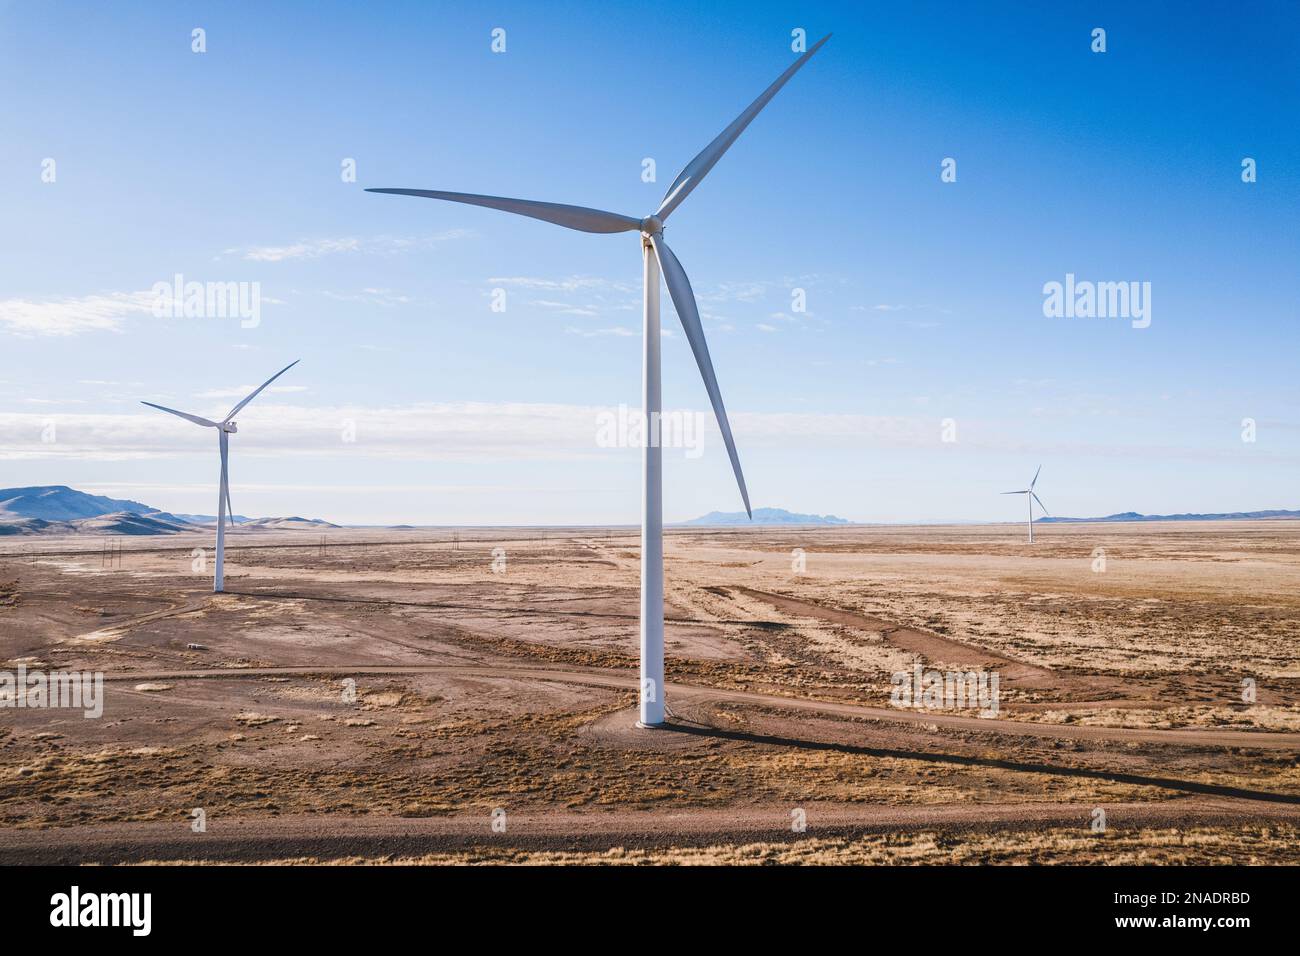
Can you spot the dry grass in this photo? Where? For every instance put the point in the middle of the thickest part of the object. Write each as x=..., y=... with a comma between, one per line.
x=1162, y=639
x=1198, y=846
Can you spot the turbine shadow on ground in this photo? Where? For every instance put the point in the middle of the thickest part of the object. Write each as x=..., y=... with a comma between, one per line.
x=1165, y=783
x=446, y=605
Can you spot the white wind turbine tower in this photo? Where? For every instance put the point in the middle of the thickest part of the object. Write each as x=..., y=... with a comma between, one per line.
x=1030, y=497
x=225, y=428
x=656, y=256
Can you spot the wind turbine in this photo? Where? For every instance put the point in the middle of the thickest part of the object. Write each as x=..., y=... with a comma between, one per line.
x=655, y=257
x=1030, y=497
x=225, y=428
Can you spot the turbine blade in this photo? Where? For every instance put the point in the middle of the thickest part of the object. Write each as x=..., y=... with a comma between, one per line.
x=1036, y=474
x=225, y=479
x=186, y=415
x=679, y=287
x=572, y=217
x=224, y=444
x=1040, y=504
x=699, y=167
x=257, y=391
x=1024, y=492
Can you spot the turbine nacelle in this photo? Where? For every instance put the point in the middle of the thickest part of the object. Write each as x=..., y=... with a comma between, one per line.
x=228, y=427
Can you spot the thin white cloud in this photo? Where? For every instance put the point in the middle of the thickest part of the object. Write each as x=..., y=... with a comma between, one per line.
x=312, y=249
x=386, y=297
x=239, y=391
x=66, y=316
x=316, y=248
x=735, y=292
x=563, y=308
x=480, y=431
x=426, y=431
x=575, y=283
x=114, y=489
x=578, y=295
x=890, y=307
x=617, y=330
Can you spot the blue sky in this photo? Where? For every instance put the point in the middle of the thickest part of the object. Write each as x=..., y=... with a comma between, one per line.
x=924, y=298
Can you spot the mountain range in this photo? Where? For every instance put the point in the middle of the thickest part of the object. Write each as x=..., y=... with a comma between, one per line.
x=58, y=509
x=762, y=516
x=779, y=516
x=1217, y=516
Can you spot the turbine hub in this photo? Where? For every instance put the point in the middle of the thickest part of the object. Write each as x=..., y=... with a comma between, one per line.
x=652, y=225
x=229, y=428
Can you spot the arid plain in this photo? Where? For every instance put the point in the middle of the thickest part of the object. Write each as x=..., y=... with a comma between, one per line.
x=1154, y=683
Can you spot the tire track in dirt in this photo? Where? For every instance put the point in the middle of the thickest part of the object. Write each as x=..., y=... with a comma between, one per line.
x=106, y=635
x=1084, y=690
x=1194, y=737
x=454, y=606
x=926, y=644
x=1070, y=690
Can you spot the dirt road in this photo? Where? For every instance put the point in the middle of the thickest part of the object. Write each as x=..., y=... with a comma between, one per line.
x=333, y=836
x=1257, y=740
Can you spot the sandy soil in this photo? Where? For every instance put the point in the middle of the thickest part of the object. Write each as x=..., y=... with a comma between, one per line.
x=513, y=691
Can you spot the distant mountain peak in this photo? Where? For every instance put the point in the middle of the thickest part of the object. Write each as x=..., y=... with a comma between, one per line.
x=61, y=503
x=763, y=516
x=1190, y=516
x=58, y=509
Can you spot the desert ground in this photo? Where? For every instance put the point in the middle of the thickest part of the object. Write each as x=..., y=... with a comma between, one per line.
x=1155, y=681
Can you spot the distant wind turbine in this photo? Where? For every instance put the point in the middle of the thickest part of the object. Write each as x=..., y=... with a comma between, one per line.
x=225, y=428
x=1031, y=498
x=656, y=256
